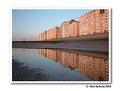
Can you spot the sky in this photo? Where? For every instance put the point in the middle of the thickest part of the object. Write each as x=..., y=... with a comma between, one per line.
x=28, y=23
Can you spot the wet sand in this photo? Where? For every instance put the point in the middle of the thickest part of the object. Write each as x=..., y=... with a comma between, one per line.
x=95, y=42
x=95, y=45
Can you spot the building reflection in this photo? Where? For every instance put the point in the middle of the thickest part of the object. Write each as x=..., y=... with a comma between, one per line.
x=96, y=68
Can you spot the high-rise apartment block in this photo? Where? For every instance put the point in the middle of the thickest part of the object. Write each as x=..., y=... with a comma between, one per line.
x=94, y=22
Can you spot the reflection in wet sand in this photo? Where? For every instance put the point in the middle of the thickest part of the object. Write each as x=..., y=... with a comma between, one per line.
x=95, y=67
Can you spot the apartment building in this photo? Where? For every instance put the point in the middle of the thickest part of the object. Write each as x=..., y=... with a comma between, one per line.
x=59, y=32
x=51, y=33
x=96, y=21
x=54, y=33
x=73, y=28
x=64, y=29
x=43, y=36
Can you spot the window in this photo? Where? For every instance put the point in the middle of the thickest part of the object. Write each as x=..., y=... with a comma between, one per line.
x=102, y=11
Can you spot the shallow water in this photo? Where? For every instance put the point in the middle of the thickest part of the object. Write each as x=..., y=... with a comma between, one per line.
x=58, y=65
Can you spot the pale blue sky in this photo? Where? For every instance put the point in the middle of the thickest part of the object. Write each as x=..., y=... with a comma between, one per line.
x=29, y=23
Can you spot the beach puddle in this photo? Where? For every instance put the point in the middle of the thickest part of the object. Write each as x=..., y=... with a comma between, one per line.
x=58, y=65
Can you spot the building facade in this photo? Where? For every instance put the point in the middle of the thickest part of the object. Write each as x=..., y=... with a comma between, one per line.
x=43, y=36
x=94, y=22
x=54, y=33
x=64, y=29
x=73, y=28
